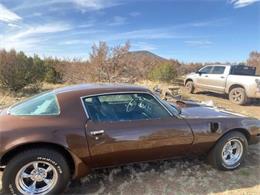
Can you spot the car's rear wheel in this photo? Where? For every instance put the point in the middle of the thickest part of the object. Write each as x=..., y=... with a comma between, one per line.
x=190, y=86
x=238, y=96
x=36, y=171
x=229, y=152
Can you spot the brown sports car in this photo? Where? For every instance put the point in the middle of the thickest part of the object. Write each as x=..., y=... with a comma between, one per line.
x=62, y=134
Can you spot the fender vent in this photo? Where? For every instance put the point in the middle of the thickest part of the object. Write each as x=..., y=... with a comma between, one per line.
x=214, y=126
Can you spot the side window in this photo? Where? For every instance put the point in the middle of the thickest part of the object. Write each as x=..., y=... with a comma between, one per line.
x=218, y=70
x=124, y=107
x=40, y=105
x=206, y=70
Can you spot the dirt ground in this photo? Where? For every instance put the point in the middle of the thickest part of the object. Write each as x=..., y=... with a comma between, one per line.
x=251, y=109
x=181, y=176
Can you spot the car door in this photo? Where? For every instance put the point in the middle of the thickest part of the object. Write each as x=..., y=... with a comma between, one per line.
x=202, y=79
x=133, y=127
x=217, y=79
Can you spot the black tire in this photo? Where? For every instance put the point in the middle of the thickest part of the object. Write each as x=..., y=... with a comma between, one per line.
x=190, y=87
x=52, y=157
x=238, y=96
x=215, y=156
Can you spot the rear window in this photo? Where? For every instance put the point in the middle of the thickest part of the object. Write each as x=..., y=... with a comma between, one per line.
x=243, y=70
x=40, y=105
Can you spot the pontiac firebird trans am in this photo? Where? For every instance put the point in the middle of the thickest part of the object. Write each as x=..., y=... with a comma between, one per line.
x=60, y=135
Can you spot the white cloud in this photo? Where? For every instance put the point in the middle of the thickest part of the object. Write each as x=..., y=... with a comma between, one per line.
x=117, y=20
x=143, y=46
x=27, y=39
x=207, y=23
x=7, y=15
x=43, y=29
x=199, y=43
x=144, y=34
x=76, y=42
x=13, y=25
x=84, y=5
x=242, y=3
x=18, y=44
x=95, y=4
x=134, y=14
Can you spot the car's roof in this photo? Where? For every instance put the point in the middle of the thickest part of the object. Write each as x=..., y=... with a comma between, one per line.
x=226, y=65
x=99, y=88
x=219, y=65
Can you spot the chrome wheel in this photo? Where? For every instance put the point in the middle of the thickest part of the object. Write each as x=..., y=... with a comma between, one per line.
x=232, y=152
x=37, y=177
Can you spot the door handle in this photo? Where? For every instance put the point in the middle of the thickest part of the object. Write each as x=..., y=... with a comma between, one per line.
x=96, y=133
x=222, y=77
x=206, y=76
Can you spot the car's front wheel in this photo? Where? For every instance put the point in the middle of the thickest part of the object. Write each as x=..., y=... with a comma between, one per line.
x=229, y=152
x=36, y=171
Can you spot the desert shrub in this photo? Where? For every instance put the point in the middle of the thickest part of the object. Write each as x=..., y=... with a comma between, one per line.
x=17, y=70
x=108, y=63
x=52, y=75
x=164, y=72
x=254, y=60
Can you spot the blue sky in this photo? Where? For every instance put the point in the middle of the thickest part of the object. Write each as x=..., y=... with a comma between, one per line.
x=187, y=30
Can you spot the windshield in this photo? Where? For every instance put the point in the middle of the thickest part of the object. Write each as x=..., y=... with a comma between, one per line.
x=172, y=108
x=39, y=105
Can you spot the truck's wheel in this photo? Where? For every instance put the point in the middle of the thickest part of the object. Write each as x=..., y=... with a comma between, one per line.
x=190, y=87
x=238, y=96
x=229, y=152
x=36, y=171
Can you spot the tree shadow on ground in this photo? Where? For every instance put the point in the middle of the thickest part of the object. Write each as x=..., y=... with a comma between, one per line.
x=184, y=176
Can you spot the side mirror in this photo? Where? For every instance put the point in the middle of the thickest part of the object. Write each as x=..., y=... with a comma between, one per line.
x=198, y=72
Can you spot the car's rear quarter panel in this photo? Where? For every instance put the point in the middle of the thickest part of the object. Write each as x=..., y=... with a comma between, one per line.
x=205, y=138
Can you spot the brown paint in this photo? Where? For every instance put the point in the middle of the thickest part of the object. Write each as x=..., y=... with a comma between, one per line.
x=122, y=142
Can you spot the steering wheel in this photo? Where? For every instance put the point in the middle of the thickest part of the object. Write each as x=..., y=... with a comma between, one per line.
x=131, y=105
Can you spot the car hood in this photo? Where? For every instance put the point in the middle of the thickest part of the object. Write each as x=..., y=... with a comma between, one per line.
x=207, y=112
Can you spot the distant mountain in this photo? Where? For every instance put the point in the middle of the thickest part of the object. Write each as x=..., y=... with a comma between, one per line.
x=140, y=63
x=143, y=54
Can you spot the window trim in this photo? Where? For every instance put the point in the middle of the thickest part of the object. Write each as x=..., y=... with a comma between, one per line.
x=124, y=92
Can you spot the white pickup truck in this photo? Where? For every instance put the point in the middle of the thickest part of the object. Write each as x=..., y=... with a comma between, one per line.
x=238, y=81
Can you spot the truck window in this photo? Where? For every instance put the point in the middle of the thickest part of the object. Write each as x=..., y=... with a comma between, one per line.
x=218, y=70
x=243, y=70
x=206, y=70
